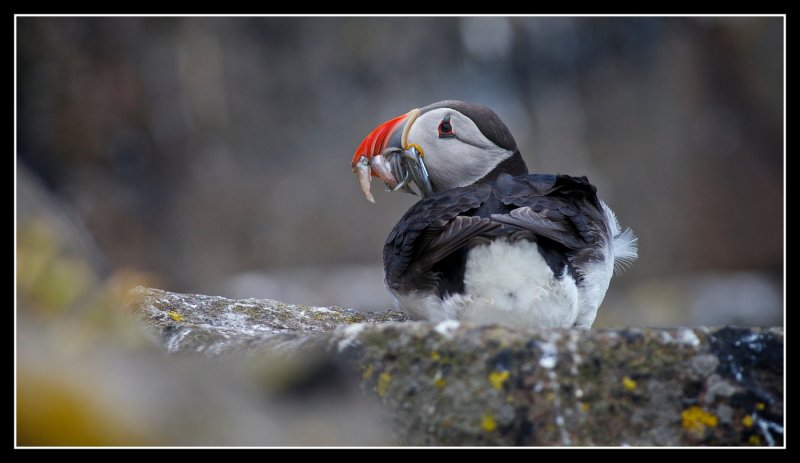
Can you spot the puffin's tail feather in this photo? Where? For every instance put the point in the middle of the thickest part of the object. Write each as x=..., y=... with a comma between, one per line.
x=624, y=244
x=625, y=250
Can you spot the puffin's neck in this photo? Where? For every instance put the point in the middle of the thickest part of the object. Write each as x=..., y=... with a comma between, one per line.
x=514, y=166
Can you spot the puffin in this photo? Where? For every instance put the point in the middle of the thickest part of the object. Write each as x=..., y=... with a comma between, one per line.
x=488, y=242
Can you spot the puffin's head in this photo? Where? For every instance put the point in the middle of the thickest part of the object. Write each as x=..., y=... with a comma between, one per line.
x=441, y=146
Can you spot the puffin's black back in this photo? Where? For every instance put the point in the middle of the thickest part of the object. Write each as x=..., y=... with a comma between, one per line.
x=427, y=248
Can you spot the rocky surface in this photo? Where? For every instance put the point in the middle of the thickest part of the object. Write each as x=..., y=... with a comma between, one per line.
x=457, y=384
x=218, y=326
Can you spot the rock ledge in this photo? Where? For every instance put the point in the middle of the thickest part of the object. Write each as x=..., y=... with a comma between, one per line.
x=457, y=384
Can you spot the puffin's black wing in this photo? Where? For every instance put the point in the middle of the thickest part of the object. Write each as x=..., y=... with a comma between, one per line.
x=425, y=225
x=559, y=208
x=427, y=248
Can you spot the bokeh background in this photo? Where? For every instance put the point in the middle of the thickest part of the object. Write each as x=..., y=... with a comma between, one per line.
x=211, y=155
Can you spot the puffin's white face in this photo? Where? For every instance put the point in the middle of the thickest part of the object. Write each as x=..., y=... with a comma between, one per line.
x=455, y=151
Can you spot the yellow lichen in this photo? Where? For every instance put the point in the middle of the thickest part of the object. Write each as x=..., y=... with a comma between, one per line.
x=696, y=419
x=747, y=421
x=438, y=380
x=497, y=378
x=761, y=405
x=488, y=423
x=629, y=383
x=584, y=407
x=384, y=379
x=435, y=356
x=754, y=440
x=175, y=316
x=367, y=374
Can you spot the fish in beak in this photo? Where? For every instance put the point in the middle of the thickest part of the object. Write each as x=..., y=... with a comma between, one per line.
x=386, y=154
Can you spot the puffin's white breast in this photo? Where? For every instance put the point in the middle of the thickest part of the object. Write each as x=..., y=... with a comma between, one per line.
x=510, y=282
x=504, y=282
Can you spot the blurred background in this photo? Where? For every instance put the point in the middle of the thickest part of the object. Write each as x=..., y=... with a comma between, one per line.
x=211, y=155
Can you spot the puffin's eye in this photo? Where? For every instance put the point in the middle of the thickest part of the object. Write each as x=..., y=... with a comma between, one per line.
x=445, y=129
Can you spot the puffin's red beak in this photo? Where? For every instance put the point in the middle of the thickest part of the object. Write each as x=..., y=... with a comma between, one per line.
x=369, y=160
x=376, y=141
